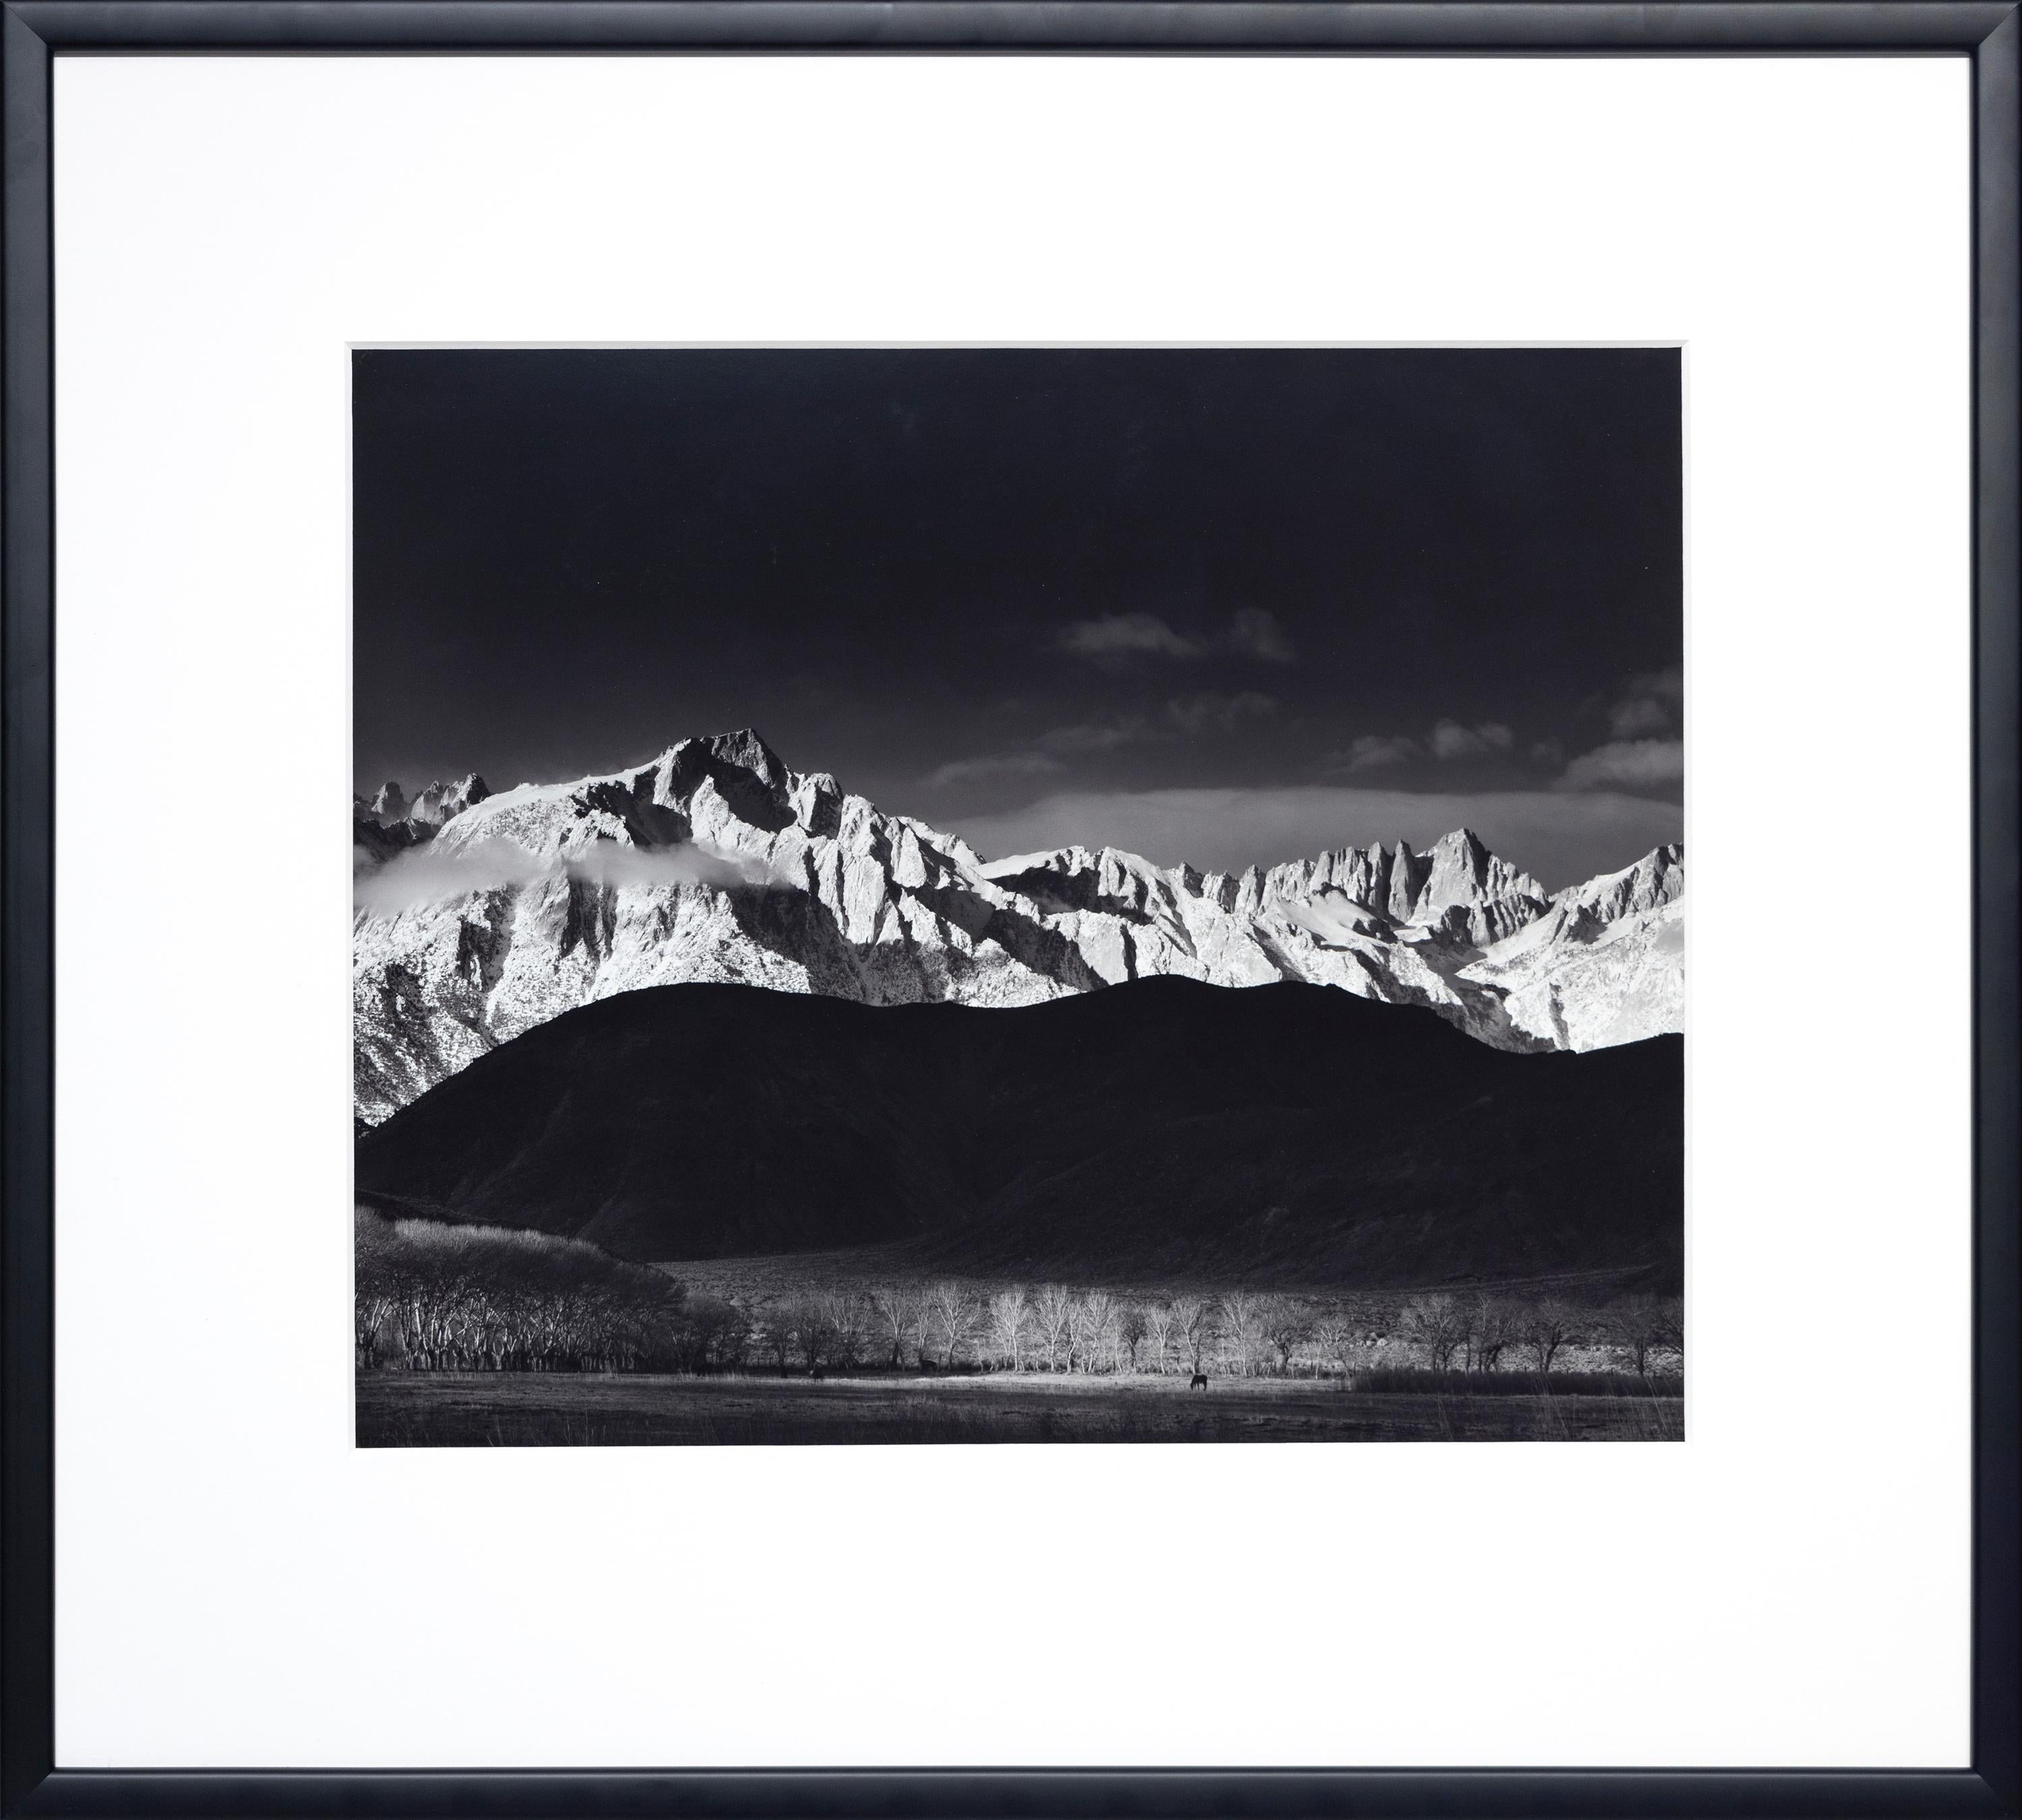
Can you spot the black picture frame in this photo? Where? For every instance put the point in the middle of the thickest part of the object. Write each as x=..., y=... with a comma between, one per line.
x=33, y=32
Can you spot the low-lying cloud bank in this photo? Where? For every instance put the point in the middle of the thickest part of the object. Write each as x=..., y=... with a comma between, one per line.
x=1561, y=837
x=426, y=875
x=1653, y=764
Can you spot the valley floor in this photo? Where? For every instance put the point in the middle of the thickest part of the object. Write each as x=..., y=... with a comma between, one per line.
x=398, y=1409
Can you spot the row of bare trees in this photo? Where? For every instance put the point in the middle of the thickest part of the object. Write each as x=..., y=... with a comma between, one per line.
x=1051, y=1326
x=1483, y=1332
x=437, y=1298
x=431, y=1297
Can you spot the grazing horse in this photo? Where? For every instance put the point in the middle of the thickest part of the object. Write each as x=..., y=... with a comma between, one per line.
x=1199, y=1383
x=927, y=1365
x=815, y=1372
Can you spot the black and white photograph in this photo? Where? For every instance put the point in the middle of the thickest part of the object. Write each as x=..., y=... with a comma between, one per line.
x=1018, y=894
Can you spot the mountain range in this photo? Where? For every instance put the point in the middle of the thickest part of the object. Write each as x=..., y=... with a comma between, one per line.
x=480, y=916
x=1294, y=1134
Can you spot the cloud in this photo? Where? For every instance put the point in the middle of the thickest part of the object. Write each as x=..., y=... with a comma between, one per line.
x=608, y=864
x=1211, y=712
x=1626, y=719
x=1208, y=711
x=1560, y=837
x=995, y=765
x=1447, y=741
x=1645, y=755
x=1373, y=751
x=1668, y=684
x=1097, y=737
x=1256, y=634
x=1636, y=765
x=428, y=874
x=1651, y=703
x=1113, y=635
x=1111, y=638
x=1044, y=757
x=1452, y=740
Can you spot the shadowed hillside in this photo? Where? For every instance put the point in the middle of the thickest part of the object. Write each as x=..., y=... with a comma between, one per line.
x=1285, y=1132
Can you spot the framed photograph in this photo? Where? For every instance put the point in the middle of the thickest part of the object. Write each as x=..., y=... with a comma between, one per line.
x=1010, y=1040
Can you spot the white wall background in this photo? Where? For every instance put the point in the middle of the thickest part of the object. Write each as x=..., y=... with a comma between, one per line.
x=237, y=1585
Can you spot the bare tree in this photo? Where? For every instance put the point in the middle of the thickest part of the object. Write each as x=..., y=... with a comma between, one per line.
x=373, y=1308
x=811, y=1332
x=719, y=1333
x=923, y=1324
x=1287, y=1326
x=954, y=1313
x=1438, y=1324
x=897, y=1305
x=1243, y=1322
x=1339, y=1330
x=1053, y=1309
x=1642, y=1326
x=1010, y=1314
x=1546, y=1326
x=780, y=1333
x=1492, y=1329
x=847, y=1318
x=1134, y=1329
x=1673, y=1338
x=1094, y=1327
x=1198, y=1322
x=1159, y=1324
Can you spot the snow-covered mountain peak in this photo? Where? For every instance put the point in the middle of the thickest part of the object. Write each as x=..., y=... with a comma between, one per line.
x=714, y=861
x=441, y=803
x=1656, y=879
x=743, y=751
x=1473, y=896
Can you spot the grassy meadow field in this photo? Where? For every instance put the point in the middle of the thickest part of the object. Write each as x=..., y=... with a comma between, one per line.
x=480, y=1410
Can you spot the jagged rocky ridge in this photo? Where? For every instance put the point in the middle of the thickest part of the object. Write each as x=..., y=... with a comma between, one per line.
x=479, y=916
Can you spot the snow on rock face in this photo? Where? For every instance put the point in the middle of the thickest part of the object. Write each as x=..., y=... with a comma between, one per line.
x=436, y=805
x=1657, y=879
x=1623, y=982
x=440, y=802
x=480, y=915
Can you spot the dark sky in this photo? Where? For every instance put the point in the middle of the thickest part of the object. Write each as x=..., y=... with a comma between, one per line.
x=1203, y=602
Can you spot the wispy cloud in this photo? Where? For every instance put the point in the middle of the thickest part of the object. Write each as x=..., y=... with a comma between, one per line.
x=1446, y=742
x=1256, y=634
x=1452, y=740
x=1650, y=703
x=1645, y=755
x=995, y=765
x=1095, y=736
x=430, y=875
x=1627, y=719
x=1049, y=755
x=1109, y=636
x=1114, y=638
x=1376, y=752
x=1638, y=765
x=1212, y=712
